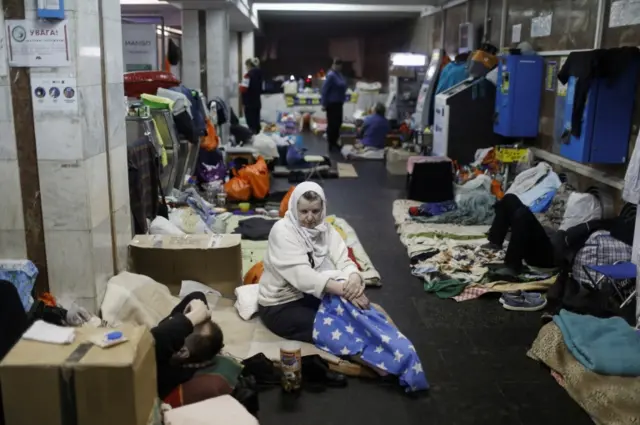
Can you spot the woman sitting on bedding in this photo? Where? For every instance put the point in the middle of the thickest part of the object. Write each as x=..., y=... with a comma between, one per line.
x=301, y=247
x=311, y=291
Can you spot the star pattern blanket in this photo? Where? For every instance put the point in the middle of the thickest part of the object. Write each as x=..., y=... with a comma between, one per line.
x=344, y=330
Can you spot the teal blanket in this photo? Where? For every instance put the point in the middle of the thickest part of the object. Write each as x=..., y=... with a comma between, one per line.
x=605, y=346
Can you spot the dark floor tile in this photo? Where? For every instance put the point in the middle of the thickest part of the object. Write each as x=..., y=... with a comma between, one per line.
x=469, y=404
x=501, y=364
x=544, y=403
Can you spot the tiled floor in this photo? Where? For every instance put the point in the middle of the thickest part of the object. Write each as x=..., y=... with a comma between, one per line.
x=473, y=352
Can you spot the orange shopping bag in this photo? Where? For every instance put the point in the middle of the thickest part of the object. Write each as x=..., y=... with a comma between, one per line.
x=238, y=189
x=284, y=204
x=210, y=141
x=258, y=177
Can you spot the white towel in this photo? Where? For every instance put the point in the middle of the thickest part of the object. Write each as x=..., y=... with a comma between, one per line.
x=51, y=334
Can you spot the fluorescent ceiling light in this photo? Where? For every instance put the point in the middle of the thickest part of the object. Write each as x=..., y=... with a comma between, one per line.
x=168, y=30
x=143, y=2
x=324, y=7
x=408, y=59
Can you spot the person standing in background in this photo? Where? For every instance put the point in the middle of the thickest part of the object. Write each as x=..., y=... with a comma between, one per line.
x=251, y=89
x=334, y=93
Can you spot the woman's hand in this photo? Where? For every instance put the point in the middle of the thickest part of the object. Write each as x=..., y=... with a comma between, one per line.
x=362, y=302
x=334, y=287
x=354, y=287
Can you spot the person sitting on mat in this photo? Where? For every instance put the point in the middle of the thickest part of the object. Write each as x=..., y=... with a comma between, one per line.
x=311, y=291
x=375, y=128
x=186, y=340
x=541, y=247
x=301, y=246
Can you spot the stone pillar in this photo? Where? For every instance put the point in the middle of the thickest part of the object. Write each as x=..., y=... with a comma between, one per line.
x=191, y=49
x=248, y=46
x=217, y=60
x=80, y=158
x=234, y=57
x=218, y=79
x=12, y=229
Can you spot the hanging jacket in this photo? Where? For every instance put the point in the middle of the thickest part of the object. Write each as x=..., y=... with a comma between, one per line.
x=251, y=88
x=222, y=110
x=197, y=111
x=452, y=74
x=589, y=65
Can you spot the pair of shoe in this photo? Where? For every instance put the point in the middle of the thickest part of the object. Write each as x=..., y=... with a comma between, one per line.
x=523, y=301
x=316, y=375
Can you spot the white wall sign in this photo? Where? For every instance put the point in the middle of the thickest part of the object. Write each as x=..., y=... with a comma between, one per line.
x=516, y=33
x=624, y=13
x=36, y=43
x=54, y=94
x=541, y=26
x=140, y=47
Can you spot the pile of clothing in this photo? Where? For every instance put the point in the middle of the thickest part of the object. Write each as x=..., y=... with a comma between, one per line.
x=596, y=361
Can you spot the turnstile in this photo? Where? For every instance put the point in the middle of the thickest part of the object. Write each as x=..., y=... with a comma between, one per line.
x=463, y=120
x=424, y=107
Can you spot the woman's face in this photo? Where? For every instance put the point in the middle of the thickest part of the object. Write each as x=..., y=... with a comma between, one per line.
x=309, y=213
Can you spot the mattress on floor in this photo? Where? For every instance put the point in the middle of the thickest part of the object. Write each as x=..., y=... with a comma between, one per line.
x=369, y=272
x=419, y=238
x=610, y=400
x=400, y=210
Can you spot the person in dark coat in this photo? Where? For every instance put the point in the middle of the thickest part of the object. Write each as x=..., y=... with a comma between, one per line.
x=186, y=341
x=334, y=94
x=251, y=89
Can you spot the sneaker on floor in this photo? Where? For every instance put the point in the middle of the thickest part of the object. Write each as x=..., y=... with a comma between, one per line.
x=525, y=302
x=491, y=246
x=518, y=294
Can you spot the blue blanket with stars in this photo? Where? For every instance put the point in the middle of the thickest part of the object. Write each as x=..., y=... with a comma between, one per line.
x=342, y=329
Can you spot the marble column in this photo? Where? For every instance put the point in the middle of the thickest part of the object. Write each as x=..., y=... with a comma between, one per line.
x=217, y=60
x=82, y=159
x=191, y=49
x=248, y=46
x=12, y=230
x=218, y=78
x=234, y=77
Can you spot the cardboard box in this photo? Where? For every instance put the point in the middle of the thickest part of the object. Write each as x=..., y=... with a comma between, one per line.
x=80, y=383
x=213, y=260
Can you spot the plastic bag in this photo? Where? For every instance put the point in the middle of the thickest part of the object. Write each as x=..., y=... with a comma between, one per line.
x=266, y=146
x=258, y=177
x=162, y=226
x=210, y=141
x=238, y=189
x=254, y=274
x=284, y=205
x=188, y=221
x=581, y=208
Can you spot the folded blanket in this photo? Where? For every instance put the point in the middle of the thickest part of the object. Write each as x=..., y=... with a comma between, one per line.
x=344, y=330
x=611, y=400
x=216, y=380
x=605, y=346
